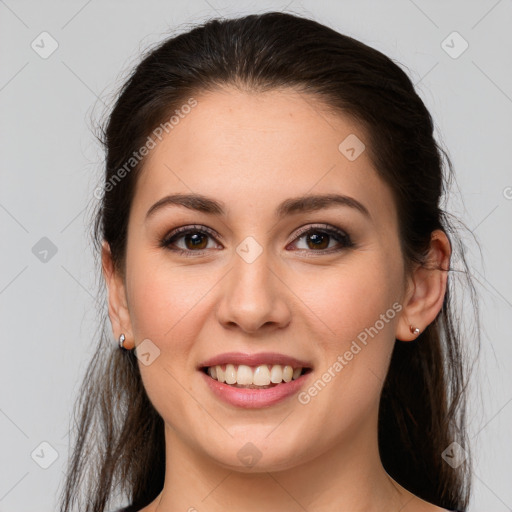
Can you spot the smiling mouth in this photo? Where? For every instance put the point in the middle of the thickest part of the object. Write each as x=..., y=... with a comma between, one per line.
x=254, y=377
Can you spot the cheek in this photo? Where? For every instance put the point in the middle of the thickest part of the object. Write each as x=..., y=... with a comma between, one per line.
x=165, y=305
x=151, y=306
x=352, y=300
x=358, y=316
x=161, y=301
x=358, y=309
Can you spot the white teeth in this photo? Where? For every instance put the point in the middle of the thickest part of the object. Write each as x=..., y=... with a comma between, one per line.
x=287, y=373
x=276, y=374
x=230, y=374
x=262, y=375
x=221, y=374
x=244, y=375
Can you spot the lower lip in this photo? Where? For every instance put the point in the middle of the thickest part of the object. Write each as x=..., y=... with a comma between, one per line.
x=254, y=398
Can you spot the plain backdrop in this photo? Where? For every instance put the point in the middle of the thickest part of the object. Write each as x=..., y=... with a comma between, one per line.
x=51, y=163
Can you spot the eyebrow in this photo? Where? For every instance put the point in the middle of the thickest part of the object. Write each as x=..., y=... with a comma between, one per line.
x=306, y=203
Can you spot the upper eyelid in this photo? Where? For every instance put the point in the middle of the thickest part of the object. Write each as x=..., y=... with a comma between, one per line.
x=300, y=231
x=320, y=227
x=193, y=227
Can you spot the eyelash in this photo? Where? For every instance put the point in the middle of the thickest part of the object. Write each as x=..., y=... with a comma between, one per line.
x=339, y=235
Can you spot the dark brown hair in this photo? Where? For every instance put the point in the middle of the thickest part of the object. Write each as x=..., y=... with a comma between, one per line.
x=119, y=446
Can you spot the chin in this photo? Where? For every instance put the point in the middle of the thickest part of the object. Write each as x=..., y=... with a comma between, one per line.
x=246, y=456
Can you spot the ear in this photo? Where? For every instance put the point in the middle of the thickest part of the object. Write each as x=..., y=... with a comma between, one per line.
x=117, y=303
x=426, y=288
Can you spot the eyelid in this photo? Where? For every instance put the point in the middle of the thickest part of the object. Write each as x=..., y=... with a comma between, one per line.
x=342, y=237
x=319, y=227
x=300, y=231
x=192, y=227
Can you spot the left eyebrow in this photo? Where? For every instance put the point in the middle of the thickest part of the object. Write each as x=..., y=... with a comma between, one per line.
x=294, y=205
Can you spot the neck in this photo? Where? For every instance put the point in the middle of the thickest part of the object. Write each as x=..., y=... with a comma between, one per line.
x=346, y=476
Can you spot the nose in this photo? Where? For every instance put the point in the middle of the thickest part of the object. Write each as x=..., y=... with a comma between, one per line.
x=253, y=297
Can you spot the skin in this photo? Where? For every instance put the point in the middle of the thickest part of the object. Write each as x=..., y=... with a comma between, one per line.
x=251, y=151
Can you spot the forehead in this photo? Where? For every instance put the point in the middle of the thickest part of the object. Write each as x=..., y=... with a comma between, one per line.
x=260, y=148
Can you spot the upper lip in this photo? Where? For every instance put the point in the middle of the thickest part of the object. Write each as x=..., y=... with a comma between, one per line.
x=254, y=359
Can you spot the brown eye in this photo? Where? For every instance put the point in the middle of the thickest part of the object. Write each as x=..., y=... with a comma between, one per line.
x=318, y=239
x=195, y=240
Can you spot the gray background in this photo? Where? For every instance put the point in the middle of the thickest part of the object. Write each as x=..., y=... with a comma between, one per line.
x=51, y=163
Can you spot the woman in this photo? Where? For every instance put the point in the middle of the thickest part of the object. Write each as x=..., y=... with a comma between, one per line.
x=278, y=276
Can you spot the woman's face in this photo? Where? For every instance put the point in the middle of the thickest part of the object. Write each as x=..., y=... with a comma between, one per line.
x=261, y=277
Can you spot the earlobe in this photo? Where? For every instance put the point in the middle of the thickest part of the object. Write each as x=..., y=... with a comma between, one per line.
x=117, y=304
x=426, y=290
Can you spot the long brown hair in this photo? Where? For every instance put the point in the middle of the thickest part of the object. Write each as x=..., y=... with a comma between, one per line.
x=119, y=448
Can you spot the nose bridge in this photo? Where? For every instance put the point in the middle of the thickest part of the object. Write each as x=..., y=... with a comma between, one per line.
x=251, y=295
x=251, y=268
